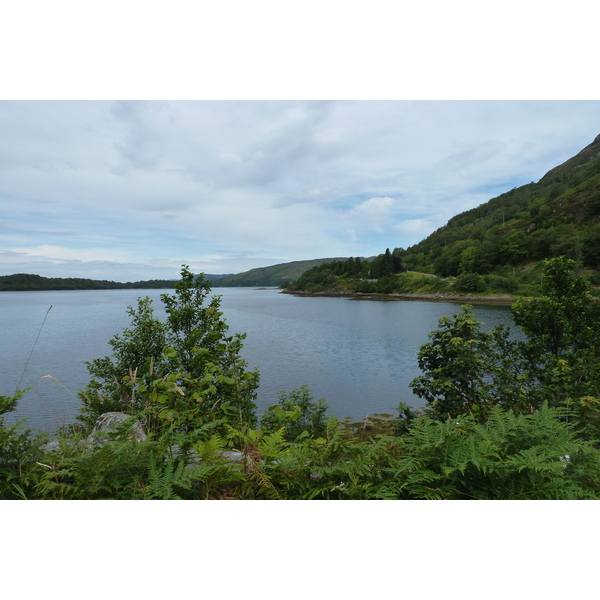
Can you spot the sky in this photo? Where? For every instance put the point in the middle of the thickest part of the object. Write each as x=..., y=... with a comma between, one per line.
x=131, y=190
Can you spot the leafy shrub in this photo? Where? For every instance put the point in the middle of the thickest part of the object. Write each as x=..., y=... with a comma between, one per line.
x=471, y=283
x=502, y=284
x=296, y=413
x=177, y=370
x=19, y=450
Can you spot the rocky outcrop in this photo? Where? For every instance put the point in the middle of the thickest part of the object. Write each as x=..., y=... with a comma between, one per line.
x=108, y=423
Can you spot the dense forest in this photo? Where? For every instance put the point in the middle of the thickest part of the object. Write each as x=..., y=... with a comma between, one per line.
x=503, y=419
x=497, y=247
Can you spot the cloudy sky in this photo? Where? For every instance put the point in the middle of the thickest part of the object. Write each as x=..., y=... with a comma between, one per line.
x=131, y=190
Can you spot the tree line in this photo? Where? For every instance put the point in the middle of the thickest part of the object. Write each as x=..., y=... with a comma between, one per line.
x=345, y=274
x=24, y=282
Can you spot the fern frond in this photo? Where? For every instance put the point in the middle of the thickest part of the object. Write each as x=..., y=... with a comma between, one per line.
x=255, y=471
x=163, y=478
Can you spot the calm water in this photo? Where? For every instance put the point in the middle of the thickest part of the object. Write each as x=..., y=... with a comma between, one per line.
x=358, y=355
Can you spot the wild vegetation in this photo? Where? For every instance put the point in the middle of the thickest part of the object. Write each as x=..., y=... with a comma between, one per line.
x=504, y=419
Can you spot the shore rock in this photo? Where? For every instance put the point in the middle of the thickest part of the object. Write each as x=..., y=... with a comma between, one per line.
x=108, y=423
x=105, y=424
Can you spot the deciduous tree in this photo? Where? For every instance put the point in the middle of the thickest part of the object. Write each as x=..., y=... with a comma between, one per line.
x=179, y=369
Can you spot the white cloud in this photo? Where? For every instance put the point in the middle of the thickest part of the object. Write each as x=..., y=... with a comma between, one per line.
x=62, y=253
x=375, y=213
x=414, y=230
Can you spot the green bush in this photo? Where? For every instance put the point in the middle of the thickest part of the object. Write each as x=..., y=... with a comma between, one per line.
x=19, y=451
x=174, y=371
x=502, y=284
x=470, y=283
x=296, y=413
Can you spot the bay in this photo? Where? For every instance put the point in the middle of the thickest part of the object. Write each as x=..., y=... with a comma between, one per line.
x=360, y=356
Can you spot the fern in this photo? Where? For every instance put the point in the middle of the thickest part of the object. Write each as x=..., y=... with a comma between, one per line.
x=163, y=478
x=255, y=471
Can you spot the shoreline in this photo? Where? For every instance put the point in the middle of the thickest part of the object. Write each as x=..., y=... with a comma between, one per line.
x=500, y=299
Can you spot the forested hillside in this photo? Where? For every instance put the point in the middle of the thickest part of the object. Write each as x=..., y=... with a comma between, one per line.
x=275, y=275
x=496, y=248
x=557, y=216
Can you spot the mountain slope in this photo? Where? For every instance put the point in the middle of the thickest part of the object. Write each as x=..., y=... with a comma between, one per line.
x=274, y=275
x=558, y=215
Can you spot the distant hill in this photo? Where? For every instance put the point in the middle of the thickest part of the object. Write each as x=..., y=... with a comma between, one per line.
x=24, y=282
x=274, y=275
x=265, y=276
x=211, y=278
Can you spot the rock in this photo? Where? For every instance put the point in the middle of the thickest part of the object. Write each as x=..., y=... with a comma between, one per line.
x=51, y=446
x=232, y=456
x=108, y=423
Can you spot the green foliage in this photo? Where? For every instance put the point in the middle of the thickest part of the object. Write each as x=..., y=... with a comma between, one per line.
x=297, y=414
x=113, y=471
x=564, y=316
x=510, y=456
x=173, y=479
x=329, y=275
x=505, y=420
x=19, y=448
x=470, y=283
x=9, y=403
x=465, y=369
x=179, y=372
x=406, y=417
x=348, y=275
x=275, y=275
x=562, y=351
x=507, y=456
x=164, y=478
x=556, y=216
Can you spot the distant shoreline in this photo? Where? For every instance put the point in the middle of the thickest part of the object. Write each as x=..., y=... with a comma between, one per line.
x=499, y=299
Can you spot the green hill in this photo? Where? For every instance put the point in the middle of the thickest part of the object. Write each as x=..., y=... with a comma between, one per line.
x=274, y=275
x=558, y=215
x=495, y=248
